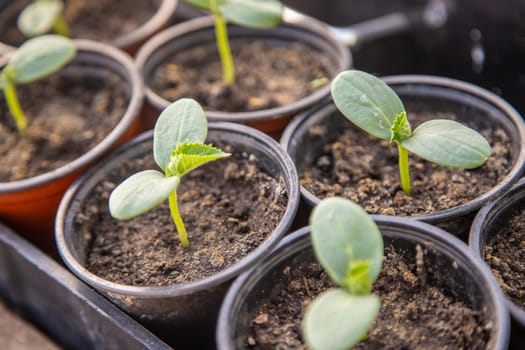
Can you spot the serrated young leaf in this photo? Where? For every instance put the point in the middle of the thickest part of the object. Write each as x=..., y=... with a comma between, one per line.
x=337, y=320
x=400, y=128
x=141, y=192
x=205, y=4
x=39, y=57
x=38, y=17
x=182, y=121
x=344, y=234
x=189, y=156
x=367, y=102
x=252, y=13
x=448, y=143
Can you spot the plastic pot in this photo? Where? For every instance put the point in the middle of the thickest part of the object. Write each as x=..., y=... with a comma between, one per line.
x=200, y=32
x=69, y=312
x=469, y=279
x=466, y=101
x=129, y=42
x=29, y=205
x=486, y=225
x=185, y=313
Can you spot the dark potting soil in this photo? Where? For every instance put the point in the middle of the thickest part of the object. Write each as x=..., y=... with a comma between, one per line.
x=267, y=76
x=364, y=169
x=100, y=20
x=229, y=207
x=417, y=312
x=504, y=253
x=18, y=334
x=68, y=114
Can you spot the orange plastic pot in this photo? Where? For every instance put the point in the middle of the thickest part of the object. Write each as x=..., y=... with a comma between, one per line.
x=129, y=42
x=29, y=205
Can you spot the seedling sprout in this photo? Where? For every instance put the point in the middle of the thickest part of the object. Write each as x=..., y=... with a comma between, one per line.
x=249, y=13
x=349, y=246
x=178, y=148
x=42, y=16
x=374, y=107
x=35, y=59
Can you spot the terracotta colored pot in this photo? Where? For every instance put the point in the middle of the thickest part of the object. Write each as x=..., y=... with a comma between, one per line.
x=29, y=205
x=200, y=31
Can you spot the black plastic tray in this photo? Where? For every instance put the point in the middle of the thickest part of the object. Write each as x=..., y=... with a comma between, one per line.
x=67, y=310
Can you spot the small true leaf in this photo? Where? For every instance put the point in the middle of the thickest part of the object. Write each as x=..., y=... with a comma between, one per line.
x=182, y=121
x=252, y=13
x=400, y=128
x=343, y=234
x=39, y=57
x=205, y=4
x=141, y=192
x=38, y=17
x=448, y=143
x=367, y=101
x=189, y=156
x=337, y=320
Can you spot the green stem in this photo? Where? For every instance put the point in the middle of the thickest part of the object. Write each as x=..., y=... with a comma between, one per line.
x=177, y=219
x=14, y=107
x=403, y=168
x=61, y=27
x=225, y=53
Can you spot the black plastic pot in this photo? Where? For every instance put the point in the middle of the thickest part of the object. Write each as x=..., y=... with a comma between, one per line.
x=486, y=225
x=186, y=313
x=469, y=279
x=129, y=42
x=200, y=32
x=69, y=312
x=29, y=205
x=466, y=101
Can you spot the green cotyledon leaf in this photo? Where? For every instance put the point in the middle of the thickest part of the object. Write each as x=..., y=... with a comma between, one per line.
x=189, y=156
x=252, y=13
x=448, y=143
x=181, y=122
x=141, y=192
x=338, y=320
x=39, y=57
x=343, y=235
x=367, y=101
x=38, y=17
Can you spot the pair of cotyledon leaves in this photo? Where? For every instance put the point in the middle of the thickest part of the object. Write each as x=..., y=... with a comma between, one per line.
x=249, y=13
x=349, y=246
x=178, y=147
x=374, y=107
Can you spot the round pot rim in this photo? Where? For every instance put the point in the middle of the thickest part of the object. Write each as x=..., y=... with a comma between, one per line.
x=132, y=112
x=432, y=234
x=207, y=22
x=216, y=279
x=453, y=84
x=479, y=225
x=141, y=33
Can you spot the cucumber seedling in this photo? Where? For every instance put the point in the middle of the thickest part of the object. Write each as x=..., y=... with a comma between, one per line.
x=43, y=16
x=349, y=246
x=249, y=13
x=35, y=59
x=374, y=107
x=178, y=148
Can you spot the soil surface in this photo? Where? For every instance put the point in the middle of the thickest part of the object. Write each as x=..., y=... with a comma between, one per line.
x=504, y=253
x=267, y=76
x=18, y=334
x=101, y=20
x=229, y=207
x=417, y=312
x=68, y=114
x=364, y=169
